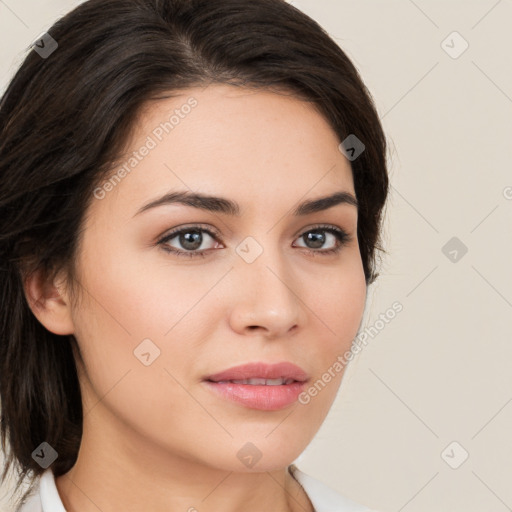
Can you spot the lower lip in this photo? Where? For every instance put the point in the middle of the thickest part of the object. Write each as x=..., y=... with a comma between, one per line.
x=264, y=398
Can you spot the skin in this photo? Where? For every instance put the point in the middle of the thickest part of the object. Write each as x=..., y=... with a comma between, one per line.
x=154, y=437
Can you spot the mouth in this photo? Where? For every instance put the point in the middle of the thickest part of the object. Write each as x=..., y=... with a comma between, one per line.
x=266, y=387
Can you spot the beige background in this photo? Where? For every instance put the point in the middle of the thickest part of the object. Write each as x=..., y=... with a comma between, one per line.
x=440, y=370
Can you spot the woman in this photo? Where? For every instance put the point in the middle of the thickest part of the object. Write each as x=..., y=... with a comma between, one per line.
x=190, y=207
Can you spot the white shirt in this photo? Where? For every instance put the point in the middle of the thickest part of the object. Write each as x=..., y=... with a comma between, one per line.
x=45, y=497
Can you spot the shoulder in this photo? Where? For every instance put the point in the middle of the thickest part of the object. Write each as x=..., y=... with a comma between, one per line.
x=323, y=497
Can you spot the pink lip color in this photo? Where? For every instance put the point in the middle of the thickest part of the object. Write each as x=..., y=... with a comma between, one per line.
x=262, y=397
x=265, y=398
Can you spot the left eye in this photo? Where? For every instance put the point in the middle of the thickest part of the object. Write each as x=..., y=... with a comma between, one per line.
x=191, y=239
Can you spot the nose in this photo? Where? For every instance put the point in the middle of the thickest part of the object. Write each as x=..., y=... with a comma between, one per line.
x=268, y=298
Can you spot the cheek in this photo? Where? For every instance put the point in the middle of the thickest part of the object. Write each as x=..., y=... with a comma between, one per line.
x=130, y=302
x=140, y=297
x=337, y=308
x=126, y=304
x=348, y=302
x=337, y=298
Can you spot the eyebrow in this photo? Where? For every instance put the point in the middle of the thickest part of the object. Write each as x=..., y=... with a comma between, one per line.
x=230, y=207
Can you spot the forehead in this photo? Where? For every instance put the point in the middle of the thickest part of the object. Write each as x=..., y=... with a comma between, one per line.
x=255, y=145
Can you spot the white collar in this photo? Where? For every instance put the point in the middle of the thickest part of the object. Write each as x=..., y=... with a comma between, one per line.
x=50, y=498
x=324, y=498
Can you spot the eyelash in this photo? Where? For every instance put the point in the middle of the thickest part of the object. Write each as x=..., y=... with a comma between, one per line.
x=341, y=235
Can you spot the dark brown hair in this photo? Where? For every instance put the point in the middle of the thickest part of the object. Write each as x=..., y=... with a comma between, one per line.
x=63, y=122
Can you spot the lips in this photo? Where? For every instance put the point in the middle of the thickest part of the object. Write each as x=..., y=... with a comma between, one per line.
x=260, y=373
x=267, y=387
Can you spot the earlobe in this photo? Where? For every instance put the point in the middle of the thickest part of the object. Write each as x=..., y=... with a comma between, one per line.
x=49, y=303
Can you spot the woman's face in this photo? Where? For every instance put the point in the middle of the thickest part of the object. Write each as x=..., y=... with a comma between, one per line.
x=154, y=324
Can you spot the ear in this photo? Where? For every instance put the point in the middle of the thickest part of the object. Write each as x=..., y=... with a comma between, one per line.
x=49, y=302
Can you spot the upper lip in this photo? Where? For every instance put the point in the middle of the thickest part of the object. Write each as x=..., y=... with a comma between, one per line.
x=261, y=370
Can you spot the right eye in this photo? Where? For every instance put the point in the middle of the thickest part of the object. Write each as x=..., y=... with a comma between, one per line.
x=190, y=238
